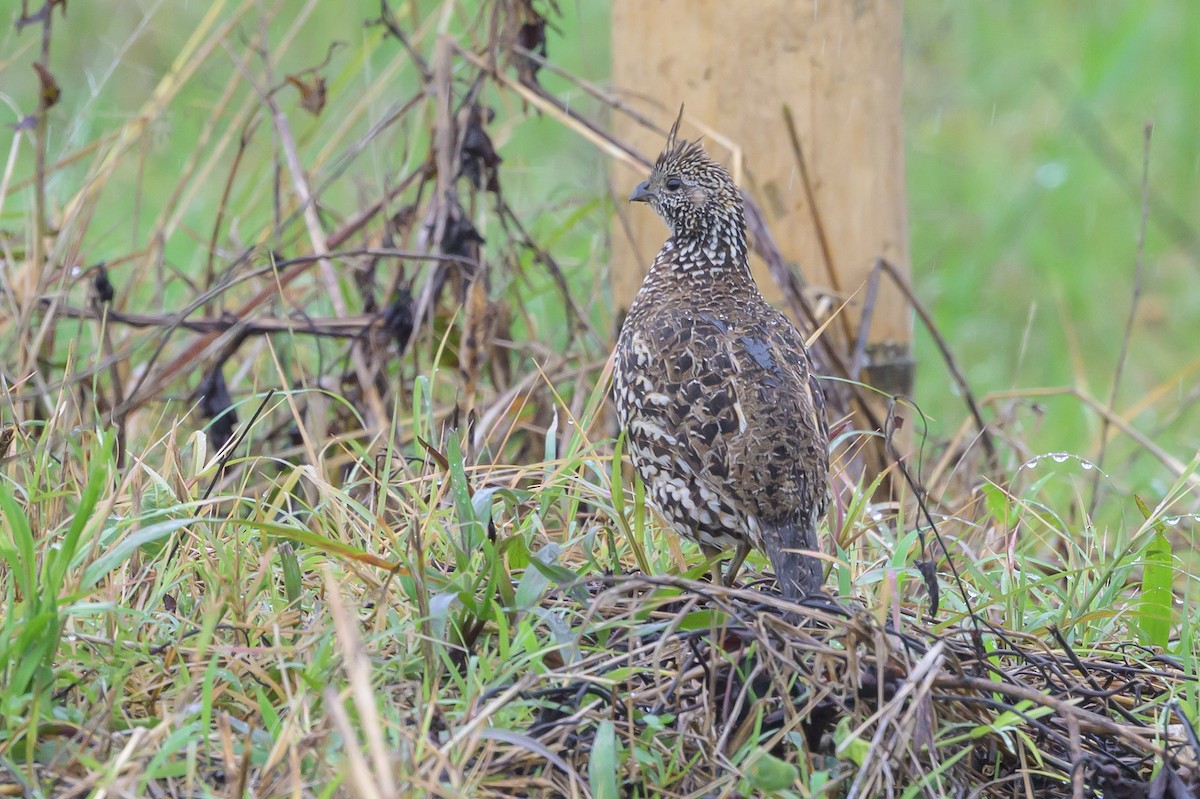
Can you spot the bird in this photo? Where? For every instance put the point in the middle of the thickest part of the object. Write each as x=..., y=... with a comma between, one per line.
x=715, y=390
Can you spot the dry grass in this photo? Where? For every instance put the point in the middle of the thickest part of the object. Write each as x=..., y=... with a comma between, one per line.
x=307, y=490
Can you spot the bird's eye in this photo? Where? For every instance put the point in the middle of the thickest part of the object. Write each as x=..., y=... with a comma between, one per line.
x=674, y=184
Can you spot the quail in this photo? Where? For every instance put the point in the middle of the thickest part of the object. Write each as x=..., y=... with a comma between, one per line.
x=715, y=389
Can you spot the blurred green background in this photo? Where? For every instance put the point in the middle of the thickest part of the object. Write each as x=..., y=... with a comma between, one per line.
x=1024, y=121
x=1025, y=126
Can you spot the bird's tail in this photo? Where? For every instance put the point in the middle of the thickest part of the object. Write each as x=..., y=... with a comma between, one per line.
x=798, y=574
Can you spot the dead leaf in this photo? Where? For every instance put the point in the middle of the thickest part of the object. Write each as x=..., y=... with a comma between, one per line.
x=50, y=93
x=216, y=404
x=478, y=160
x=312, y=94
x=102, y=285
x=398, y=318
x=479, y=323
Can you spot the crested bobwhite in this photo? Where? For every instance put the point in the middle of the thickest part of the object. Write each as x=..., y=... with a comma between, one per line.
x=714, y=388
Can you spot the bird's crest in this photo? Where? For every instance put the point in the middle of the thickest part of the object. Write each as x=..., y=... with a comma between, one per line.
x=676, y=150
x=674, y=132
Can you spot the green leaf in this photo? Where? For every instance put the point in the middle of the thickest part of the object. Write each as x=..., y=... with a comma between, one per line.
x=20, y=555
x=560, y=576
x=460, y=488
x=769, y=774
x=615, y=477
x=703, y=620
x=124, y=549
x=533, y=583
x=639, y=518
x=1155, y=608
x=422, y=407
x=604, y=764
x=998, y=504
x=59, y=558
x=293, y=580
x=270, y=716
x=633, y=535
x=319, y=542
x=904, y=547
x=517, y=551
x=481, y=503
x=32, y=650
x=850, y=746
x=500, y=579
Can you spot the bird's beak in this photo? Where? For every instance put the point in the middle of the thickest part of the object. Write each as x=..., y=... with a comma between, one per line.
x=642, y=194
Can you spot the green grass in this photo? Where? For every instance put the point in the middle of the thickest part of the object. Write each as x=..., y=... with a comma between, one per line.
x=294, y=631
x=445, y=601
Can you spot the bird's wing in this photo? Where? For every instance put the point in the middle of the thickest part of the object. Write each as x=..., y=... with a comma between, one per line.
x=732, y=407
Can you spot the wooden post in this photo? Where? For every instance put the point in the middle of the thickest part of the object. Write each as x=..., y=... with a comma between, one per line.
x=837, y=65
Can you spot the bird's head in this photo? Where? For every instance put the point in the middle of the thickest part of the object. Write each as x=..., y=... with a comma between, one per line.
x=693, y=194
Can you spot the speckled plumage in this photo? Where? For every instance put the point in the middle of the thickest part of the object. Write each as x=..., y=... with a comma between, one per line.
x=724, y=418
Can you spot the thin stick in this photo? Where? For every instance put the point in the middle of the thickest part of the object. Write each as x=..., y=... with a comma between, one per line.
x=815, y=212
x=1139, y=265
x=853, y=367
x=320, y=244
x=951, y=365
x=151, y=384
x=243, y=143
x=858, y=356
x=1177, y=467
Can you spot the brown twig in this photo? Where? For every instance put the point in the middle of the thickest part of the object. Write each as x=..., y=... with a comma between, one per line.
x=1139, y=266
x=243, y=143
x=147, y=389
x=814, y=210
x=320, y=245
x=388, y=20
x=333, y=327
x=1089, y=721
x=1178, y=468
x=947, y=357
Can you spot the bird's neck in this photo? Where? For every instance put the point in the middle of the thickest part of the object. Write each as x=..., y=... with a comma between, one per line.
x=715, y=253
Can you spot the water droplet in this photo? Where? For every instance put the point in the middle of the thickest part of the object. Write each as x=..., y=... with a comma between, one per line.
x=1171, y=521
x=1060, y=457
x=1051, y=175
x=1086, y=465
